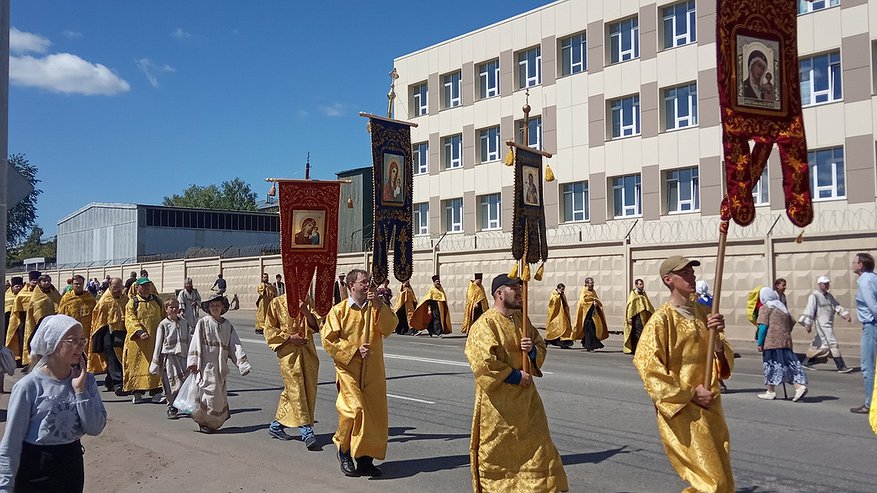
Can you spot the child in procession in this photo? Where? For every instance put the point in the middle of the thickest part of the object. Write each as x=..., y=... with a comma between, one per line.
x=171, y=350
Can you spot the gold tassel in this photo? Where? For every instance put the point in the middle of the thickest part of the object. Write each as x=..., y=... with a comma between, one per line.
x=526, y=275
x=549, y=175
x=539, y=272
x=510, y=157
x=514, y=272
x=800, y=238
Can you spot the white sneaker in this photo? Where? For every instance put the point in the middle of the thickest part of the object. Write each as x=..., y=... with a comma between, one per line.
x=159, y=399
x=768, y=396
x=138, y=398
x=800, y=393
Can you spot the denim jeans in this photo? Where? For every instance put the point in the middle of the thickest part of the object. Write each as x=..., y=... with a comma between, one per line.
x=869, y=355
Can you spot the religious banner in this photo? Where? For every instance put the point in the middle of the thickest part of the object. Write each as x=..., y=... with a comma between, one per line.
x=393, y=183
x=309, y=240
x=529, y=242
x=760, y=98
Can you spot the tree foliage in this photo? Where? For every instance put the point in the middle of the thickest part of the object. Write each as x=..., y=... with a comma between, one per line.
x=33, y=246
x=234, y=195
x=21, y=219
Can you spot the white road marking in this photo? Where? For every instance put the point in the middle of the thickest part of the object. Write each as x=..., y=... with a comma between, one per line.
x=254, y=341
x=409, y=399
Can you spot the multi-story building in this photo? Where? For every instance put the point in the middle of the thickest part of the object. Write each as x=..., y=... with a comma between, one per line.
x=624, y=94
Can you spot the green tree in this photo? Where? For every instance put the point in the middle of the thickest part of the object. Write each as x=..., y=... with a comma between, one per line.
x=33, y=246
x=234, y=195
x=22, y=218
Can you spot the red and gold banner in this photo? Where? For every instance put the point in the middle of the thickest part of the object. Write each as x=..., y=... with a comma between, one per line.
x=309, y=240
x=760, y=98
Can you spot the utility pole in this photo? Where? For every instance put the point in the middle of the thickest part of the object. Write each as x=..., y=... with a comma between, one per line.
x=4, y=128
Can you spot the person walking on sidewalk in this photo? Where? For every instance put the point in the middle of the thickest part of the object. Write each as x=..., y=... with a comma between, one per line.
x=866, y=310
x=775, y=343
x=820, y=311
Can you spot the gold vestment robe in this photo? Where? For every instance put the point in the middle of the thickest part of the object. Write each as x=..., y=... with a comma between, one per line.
x=637, y=304
x=586, y=300
x=109, y=312
x=558, y=324
x=9, y=299
x=299, y=365
x=137, y=354
x=670, y=359
x=81, y=307
x=475, y=296
x=421, y=318
x=19, y=306
x=510, y=448
x=362, y=405
x=267, y=292
x=41, y=305
x=408, y=299
x=872, y=414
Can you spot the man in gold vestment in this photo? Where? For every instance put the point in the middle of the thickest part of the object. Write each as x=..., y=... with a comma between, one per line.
x=639, y=309
x=18, y=315
x=267, y=292
x=292, y=340
x=432, y=314
x=476, y=302
x=132, y=290
x=405, y=304
x=16, y=284
x=143, y=313
x=671, y=359
x=43, y=302
x=79, y=304
x=510, y=448
x=362, y=392
x=558, y=329
x=590, y=320
x=108, y=332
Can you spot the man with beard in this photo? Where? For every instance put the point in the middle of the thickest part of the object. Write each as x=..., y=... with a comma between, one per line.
x=79, y=304
x=558, y=329
x=340, y=289
x=267, y=292
x=18, y=315
x=639, y=309
x=405, y=304
x=143, y=313
x=590, y=321
x=476, y=302
x=190, y=302
x=108, y=329
x=432, y=314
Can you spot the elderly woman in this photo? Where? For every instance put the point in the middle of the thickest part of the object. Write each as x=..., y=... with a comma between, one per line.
x=50, y=409
x=781, y=365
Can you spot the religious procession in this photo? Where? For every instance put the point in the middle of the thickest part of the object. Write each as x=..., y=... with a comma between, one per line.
x=78, y=354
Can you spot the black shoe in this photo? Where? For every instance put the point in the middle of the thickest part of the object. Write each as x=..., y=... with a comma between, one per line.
x=278, y=433
x=172, y=413
x=863, y=409
x=311, y=443
x=566, y=345
x=121, y=392
x=554, y=342
x=365, y=467
x=347, y=466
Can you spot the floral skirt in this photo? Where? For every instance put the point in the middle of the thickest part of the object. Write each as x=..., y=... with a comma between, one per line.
x=782, y=366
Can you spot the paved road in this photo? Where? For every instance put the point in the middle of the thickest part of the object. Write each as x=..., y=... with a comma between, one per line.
x=600, y=418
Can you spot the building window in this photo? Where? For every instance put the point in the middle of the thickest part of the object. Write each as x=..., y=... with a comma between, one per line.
x=421, y=219
x=488, y=79
x=419, y=99
x=491, y=211
x=683, y=190
x=575, y=202
x=806, y=6
x=624, y=116
x=530, y=67
x=680, y=24
x=627, y=195
x=421, y=157
x=820, y=79
x=453, y=151
x=573, y=54
x=760, y=192
x=454, y=215
x=624, y=40
x=451, y=84
x=489, y=138
x=827, y=179
x=680, y=107
x=534, y=132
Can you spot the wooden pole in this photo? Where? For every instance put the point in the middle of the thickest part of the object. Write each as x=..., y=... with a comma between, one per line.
x=368, y=331
x=525, y=364
x=717, y=293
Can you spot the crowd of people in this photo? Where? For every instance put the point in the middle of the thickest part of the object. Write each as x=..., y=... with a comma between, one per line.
x=168, y=351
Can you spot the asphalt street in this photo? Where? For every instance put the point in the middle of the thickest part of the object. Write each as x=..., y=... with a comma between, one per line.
x=600, y=417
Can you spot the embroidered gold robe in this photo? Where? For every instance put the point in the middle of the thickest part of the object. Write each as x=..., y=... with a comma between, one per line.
x=422, y=318
x=475, y=296
x=406, y=299
x=109, y=312
x=137, y=354
x=362, y=405
x=9, y=299
x=670, y=359
x=299, y=365
x=558, y=324
x=267, y=292
x=20, y=303
x=510, y=448
x=587, y=299
x=81, y=307
x=41, y=305
x=637, y=304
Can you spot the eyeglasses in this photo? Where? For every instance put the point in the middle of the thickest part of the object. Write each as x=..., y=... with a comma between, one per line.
x=76, y=341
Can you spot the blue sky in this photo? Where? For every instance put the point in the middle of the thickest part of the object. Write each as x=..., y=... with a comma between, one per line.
x=133, y=101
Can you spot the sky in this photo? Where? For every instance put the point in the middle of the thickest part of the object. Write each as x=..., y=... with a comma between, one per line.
x=134, y=101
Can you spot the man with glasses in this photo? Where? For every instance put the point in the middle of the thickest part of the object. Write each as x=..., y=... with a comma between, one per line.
x=79, y=304
x=143, y=313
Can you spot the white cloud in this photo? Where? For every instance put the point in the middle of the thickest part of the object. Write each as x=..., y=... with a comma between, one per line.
x=179, y=33
x=71, y=34
x=24, y=42
x=65, y=73
x=151, y=70
x=334, y=109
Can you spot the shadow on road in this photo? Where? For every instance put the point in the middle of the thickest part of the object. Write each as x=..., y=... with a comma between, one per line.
x=244, y=410
x=266, y=389
x=413, y=375
x=595, y=457
x=234, y=430
x=401, y=434
x=407, y=468
x=756, y=390
x=2, y=415
x=819, y=398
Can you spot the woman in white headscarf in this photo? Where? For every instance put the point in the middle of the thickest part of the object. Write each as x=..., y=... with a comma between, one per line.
x=781, y=365
x=50, y=409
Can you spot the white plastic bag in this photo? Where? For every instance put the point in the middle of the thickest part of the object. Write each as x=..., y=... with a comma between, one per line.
x=189, y=395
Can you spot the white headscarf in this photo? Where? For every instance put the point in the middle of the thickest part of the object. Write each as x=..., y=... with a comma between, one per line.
x=49, y=334
x=771, y=299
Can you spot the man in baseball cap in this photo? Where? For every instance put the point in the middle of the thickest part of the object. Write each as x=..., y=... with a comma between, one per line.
x=819, y=314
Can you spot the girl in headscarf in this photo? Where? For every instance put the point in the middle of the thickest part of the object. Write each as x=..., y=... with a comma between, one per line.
x=775, y=343
x=50, y=409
